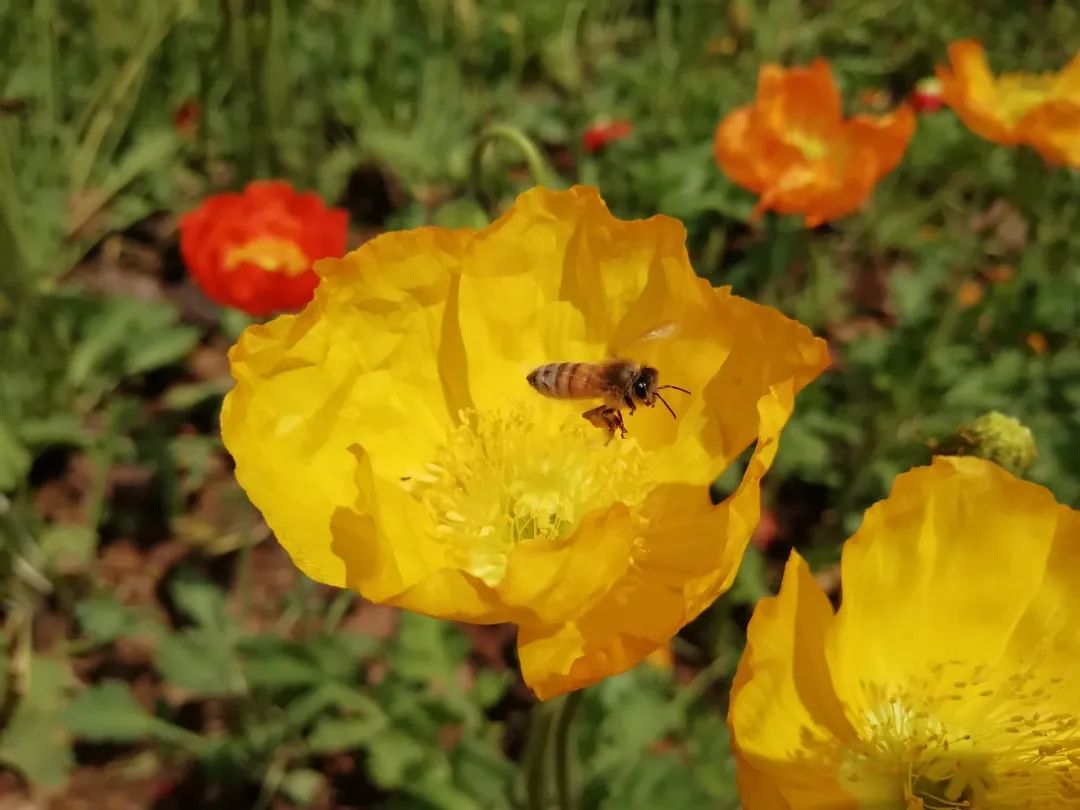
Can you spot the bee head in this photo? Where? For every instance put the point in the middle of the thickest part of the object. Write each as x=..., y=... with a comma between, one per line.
x=643, y=389
x=646, y=388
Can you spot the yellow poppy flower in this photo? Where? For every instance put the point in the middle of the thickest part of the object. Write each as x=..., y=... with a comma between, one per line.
x=947, y=677
x=389, y=437
x=1038, y=109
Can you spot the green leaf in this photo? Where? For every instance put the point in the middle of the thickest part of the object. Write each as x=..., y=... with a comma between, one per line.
x=161, y=349
x=272, y=662
x=105, y=336
x=463, y=213
x=395, y=755
x=429, y=650
x=346, y=733
x=15, y=458
x=35, y=742
x=489, y=686
x=201, y=601
x=103, y=619
x=186, y=396
x=302, y=786
x=56, y=428
x=200, y=660
x=68, y=547
x=107, y=712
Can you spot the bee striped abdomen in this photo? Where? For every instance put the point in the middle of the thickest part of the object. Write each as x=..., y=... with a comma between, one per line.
x=559, y=380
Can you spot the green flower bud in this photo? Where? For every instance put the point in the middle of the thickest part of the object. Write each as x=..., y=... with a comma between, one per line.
x=995, y=437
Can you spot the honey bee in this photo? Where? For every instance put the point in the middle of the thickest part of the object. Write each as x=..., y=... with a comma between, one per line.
x=620, y=383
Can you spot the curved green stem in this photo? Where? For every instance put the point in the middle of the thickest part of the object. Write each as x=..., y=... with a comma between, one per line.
x=542, y=174
x=565, y=757
x=535, y=765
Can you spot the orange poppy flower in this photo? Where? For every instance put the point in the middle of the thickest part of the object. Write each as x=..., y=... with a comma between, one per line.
x=1041, y=110
x=254, y=250
x=795, y=149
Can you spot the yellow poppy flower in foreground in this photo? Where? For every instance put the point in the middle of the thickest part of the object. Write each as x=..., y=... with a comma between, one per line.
x=389, y=437
x=1038, y=109
x=947, y=679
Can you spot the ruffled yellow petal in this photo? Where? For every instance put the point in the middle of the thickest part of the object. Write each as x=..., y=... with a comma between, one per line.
x=897, y=569
x=353, y=368
x=685, y=554
x=784, y=714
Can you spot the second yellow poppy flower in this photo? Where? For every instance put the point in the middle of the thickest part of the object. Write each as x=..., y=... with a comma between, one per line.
x=946, y=680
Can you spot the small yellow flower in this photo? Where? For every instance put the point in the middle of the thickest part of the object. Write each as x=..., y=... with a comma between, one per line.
x=946, y=680
x=389, y=437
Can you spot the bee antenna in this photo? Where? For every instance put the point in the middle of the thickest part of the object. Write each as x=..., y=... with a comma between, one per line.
x=666, y=405
x=675, y=387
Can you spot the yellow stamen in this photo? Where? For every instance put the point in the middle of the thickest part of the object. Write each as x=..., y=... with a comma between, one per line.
x=965, y=738
x=271, y=254
x=812, y=147
x=513, y=476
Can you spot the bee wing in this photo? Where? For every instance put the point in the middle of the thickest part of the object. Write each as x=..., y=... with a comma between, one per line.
x=660, y=331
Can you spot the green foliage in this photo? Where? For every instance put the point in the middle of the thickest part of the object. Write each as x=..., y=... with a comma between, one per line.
x=34, y=741
x=120, y=523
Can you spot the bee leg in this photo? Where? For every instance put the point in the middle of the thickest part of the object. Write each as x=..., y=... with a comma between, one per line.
x=617, y=419
x=606, y=418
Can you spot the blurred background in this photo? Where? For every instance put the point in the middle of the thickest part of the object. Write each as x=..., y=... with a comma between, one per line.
x=160, y=649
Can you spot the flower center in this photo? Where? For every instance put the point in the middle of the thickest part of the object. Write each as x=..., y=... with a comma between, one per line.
x=1019, y=93
x=271, y=254
x=965, y=737
x=507, y=477
x=812, y=146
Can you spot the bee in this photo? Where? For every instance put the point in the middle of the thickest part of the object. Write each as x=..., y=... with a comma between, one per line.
x=618, y=382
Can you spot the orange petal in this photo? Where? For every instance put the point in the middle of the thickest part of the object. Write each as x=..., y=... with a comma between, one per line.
x=801, y=98
x=970, y=89
x=732, y=148
x=886, y=137
x=1053, y=129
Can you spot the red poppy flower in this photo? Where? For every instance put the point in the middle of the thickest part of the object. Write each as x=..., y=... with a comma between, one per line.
x=254, y=250
x=601, y=133
x=186, y=118
x=927, y=95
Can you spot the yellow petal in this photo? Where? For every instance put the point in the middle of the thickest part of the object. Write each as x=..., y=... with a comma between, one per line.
x=686, y=553
x=360, y=365
x=787, y=724
x=923, y=576
x=945, y=677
